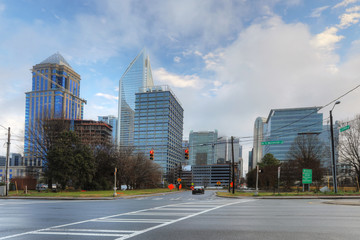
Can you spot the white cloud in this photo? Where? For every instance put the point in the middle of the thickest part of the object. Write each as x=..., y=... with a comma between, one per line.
x=348, y=19
x=192, y=81
x=107, y=96
x=327, y=39
x=353, y=9
x=177, y=59
x=345, y=3
x=318, y=11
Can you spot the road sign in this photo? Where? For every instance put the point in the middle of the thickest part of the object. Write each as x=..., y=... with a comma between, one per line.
x=272, y=142
x=171, y=186
x=179, y=179
x=218, y=183
x=345, y=128
x=307, y=176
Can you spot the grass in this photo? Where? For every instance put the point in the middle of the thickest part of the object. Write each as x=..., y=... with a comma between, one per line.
x=263, y=194
x=85, y=194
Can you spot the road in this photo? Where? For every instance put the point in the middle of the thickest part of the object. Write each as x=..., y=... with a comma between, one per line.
x=178, y=216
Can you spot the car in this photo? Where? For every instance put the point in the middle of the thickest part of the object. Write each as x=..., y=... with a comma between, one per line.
x=41, y=187
x=198, y=189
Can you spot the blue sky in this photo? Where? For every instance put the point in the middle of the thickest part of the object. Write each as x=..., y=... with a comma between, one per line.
x=228, y=62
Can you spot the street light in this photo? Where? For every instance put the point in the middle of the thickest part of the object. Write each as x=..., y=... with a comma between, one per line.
x=332, y=149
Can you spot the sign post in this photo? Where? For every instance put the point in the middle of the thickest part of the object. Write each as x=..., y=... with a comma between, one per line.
x=306, y=177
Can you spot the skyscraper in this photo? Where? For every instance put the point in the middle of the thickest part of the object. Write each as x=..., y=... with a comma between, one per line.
x=159, y=125
x=202, y=147
x=55, y=94
x=112, y=121
x=258, y=138
x=137, y=75
x=284, y=125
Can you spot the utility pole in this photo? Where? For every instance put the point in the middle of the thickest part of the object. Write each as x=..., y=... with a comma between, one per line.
x=233, y=164
x=257, y=180
x=333, y=149
x=115, y=182
x=7, y=164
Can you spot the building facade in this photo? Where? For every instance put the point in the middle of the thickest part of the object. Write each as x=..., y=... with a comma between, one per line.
x=159, y=125
x=137, y=75
x=55, y=94
x=284, y=125
x=113, y=122
x=202, y=147
x=93, y=133
x=259, y=128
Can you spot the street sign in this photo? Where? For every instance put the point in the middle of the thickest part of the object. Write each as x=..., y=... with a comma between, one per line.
x=272, y=142
x=218, y=183
x=306, y=176
x=171, y=186
x=345, y=128
x=179, y=179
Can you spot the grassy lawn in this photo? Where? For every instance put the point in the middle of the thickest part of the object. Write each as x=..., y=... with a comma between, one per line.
x=262, y=194
x=85, y=194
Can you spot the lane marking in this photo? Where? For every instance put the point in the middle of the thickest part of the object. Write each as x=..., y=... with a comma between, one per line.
x=55, y=229
x=180, y=219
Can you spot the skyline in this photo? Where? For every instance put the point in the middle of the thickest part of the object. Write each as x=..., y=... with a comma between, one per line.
x=228, y=62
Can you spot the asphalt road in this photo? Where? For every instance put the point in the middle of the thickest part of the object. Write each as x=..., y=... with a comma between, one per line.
x=178, y=216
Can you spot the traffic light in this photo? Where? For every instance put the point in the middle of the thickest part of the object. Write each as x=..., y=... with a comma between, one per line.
x=151, y=154
x=187, y=153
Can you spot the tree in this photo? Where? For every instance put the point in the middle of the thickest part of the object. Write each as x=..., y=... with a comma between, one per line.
x=69, y=162
x=268, y=173
x=349, y=147
x=306, y=151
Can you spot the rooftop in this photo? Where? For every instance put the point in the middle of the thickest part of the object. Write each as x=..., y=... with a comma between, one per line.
x=56, y=58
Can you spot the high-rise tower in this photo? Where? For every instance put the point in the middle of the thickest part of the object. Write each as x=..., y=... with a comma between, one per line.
x=55, y=94
x=159, y=126
x=137, y=75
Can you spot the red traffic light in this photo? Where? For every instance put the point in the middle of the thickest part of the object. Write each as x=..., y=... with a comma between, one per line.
x=151, y=151
x=187, y=150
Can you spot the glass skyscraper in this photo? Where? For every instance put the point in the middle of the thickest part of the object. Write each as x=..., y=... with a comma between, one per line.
x=202, y=147
x=159, y=125
x=259, y=128
x=137, y=75
x=55, y=94
x=284, y=125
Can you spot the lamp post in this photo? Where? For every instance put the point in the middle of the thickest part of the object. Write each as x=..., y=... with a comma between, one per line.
x=332, y=149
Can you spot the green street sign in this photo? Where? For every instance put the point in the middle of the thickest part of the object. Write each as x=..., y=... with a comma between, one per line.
x=306, y=176
x=272, y=142
x=345, y=128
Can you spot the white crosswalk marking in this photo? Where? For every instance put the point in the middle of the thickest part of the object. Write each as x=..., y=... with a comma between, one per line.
x=170, y=214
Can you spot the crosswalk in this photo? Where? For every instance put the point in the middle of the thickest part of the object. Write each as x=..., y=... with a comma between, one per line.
x=126, y=225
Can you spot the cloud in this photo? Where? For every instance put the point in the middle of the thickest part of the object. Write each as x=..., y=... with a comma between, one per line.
x=2, y=7
x=327, y=39
x=318, y=11
x=345, y=3
x=107, y=96
x=353, y=9
x=348, y=19
x=177, y=59
x=164, y=77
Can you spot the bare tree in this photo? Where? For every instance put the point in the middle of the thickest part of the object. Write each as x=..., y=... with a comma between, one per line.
x=349, y=146
x=307, y=151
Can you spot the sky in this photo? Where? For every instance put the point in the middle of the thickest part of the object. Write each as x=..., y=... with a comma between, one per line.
x=228, y=62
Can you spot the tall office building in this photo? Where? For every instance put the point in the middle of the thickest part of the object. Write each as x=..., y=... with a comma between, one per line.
x=112, y=121
x=137, y=75
x=159, y=125
x=259, y=128
x=223, y=150
x=284, y=125
x=202, y=147
x=55, y=94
